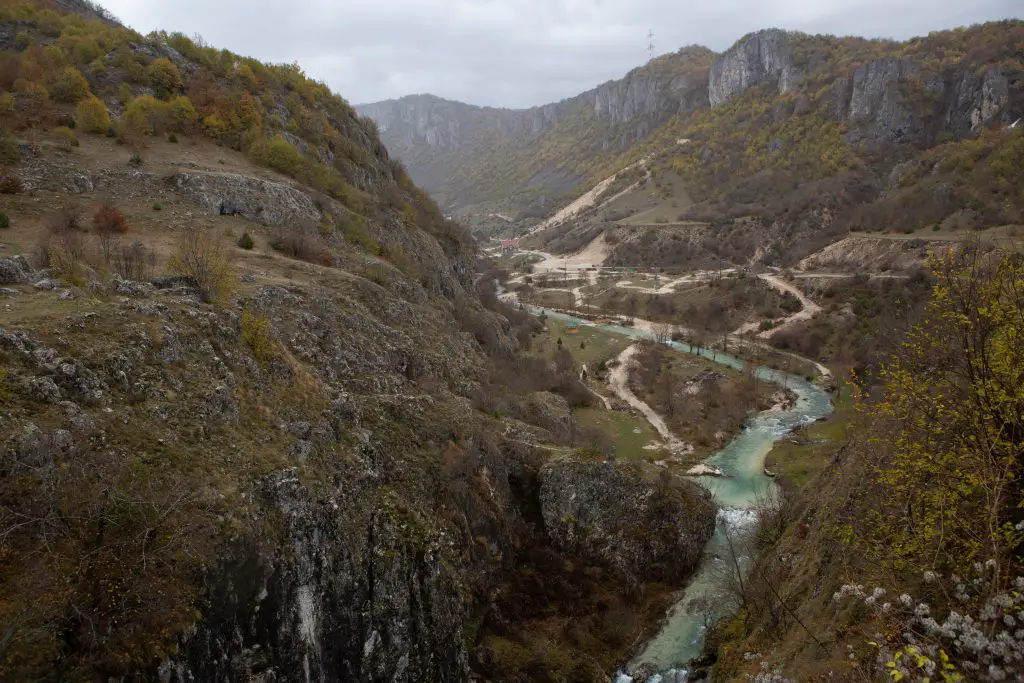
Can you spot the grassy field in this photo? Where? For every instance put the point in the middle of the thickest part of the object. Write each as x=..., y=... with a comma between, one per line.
x=799, y=457
x=548, y=298
x=629, y=432
x=597, y=343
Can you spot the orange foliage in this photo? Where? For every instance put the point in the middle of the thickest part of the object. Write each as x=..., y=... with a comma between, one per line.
x=108, y=220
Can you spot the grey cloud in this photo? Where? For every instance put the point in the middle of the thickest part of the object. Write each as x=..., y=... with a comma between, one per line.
x=515, y=52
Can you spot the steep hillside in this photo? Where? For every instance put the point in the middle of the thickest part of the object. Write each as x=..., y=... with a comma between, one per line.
x=255, y=422
x=901, y=559
x=519, y=159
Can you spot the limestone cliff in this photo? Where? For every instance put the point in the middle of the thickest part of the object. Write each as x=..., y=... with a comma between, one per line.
x=762, y=57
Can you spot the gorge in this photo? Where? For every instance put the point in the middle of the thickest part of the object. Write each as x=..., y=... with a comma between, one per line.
x=295, y=390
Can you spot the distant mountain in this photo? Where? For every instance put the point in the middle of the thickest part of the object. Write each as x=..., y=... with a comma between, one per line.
x=776, y=110
x=468, y=155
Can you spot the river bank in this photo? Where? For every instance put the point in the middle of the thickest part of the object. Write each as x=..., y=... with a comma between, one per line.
x=742, y=462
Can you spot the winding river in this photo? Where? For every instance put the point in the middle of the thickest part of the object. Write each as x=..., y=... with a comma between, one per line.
x=742, y=460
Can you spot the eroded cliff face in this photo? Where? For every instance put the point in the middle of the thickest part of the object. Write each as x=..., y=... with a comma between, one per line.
x=765, y=56
x=889, y=99
x=607, y=512
x=350, y=595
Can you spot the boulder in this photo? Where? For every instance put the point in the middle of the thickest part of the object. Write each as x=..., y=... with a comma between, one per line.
x=13, y=271
x=551, y=412
x=608, y=513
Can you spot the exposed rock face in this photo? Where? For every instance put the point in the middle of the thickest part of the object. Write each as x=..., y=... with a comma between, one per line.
x=350, y=597
x=640, y=94
x=260, y=200
x=551, y=412
x=606, y=512
x=12, y=272
x=874, y=98
x=979, y=100
x=762, y=57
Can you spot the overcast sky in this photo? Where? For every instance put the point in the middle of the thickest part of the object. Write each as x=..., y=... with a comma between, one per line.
x=515, y=53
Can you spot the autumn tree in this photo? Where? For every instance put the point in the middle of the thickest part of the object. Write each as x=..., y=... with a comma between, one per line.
x=949, y=433
x=146, y=115
x=181, y=114
x=109, y=224
x=70, y=86
x=92, y=115
x=164, y=77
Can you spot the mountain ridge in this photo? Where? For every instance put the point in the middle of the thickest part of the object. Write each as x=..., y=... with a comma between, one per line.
x=529, y=160
x=616, y=108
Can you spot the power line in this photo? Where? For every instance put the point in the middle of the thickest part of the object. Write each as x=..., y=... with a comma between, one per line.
x=650, y=44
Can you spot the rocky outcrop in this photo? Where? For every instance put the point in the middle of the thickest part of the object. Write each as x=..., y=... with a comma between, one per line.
x=878, y=104
x=265, y=201
x=607, y=512
x=13, y=271
x=979, y=99
x=644, y=94
x=351, y=595
x=551, y=412
x=762, y=57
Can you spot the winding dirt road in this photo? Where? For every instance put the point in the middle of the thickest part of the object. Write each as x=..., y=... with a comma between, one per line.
x=618, y=381
x=809, y=310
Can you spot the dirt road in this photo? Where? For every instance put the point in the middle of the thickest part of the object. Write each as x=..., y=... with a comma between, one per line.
x=618, y=381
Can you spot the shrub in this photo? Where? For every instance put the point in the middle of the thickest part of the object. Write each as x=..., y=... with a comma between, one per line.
x=356, y=232
x=66, y=137
x=108, y=219
x=303, y=244
x=10, y=183
x=136, y=158
x=10, y=153
x=93, y=115
x=172, y=137
x=5, y=221
x=245, y=241
x=70, y=86
x=157, y=206
x=257, y=335
x=278, y=154
x=181, y=113
x=146, y=115
x=164, y=77
x=202, y=256
x=63, y=247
